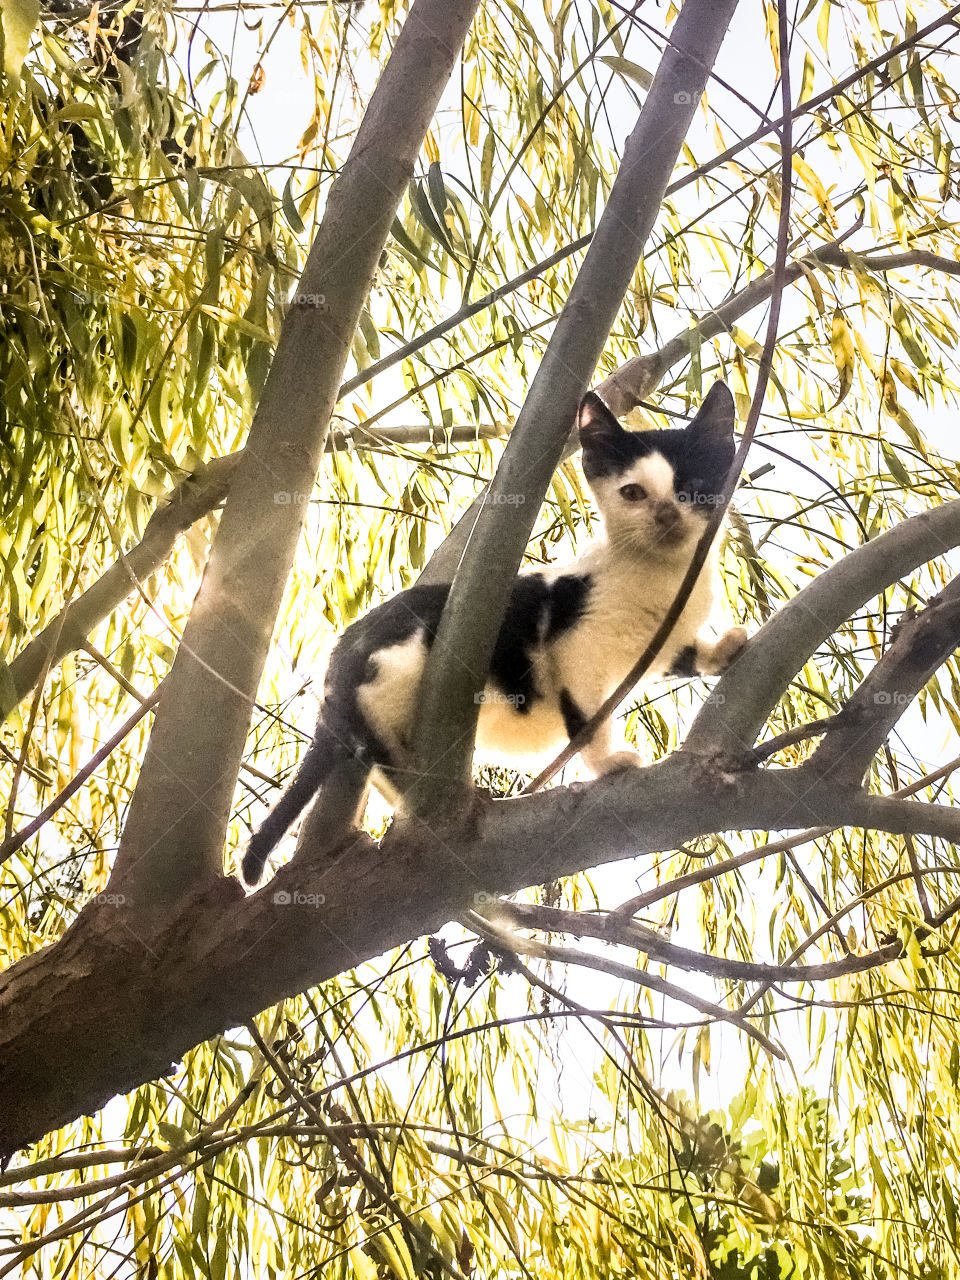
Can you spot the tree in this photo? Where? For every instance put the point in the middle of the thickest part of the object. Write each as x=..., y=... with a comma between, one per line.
x=169, y=349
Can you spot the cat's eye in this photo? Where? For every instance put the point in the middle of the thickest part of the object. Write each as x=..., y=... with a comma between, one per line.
x=633, y=492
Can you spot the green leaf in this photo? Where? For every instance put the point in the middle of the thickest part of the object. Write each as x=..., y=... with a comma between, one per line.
x=291, y=213
x=627, y=68
x=438, y=192
x=18, y=19
x=486, y=163
x=424, y=213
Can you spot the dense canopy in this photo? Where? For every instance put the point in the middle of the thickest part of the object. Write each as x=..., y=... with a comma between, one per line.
x=701, y=1022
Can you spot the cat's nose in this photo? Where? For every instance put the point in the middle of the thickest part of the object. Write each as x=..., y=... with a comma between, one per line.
x=666, y=515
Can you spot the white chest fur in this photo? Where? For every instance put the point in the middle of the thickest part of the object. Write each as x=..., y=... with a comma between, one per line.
x=628, y=601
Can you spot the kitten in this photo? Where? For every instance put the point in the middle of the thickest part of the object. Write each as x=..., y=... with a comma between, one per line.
x=571, y=632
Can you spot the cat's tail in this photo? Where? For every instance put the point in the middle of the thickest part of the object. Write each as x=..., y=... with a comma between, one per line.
x=323, y=752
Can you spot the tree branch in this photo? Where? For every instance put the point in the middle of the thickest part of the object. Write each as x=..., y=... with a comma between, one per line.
x=190, y=770
x=460, y=657
x=921, y=643
x=611, y=928
x=713, y=871
x=626, y=973
x=749, y=691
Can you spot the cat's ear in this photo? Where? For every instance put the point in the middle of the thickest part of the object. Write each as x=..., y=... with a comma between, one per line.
x=597, y=426
x=716, y=415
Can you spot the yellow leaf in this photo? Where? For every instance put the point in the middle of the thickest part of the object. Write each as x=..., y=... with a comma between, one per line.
x=364, y=1268
x=823, y=25
x=905, y=375
x=899, y=976
x=806, y=85
x=773, y=32
x=811, y=279
x=814, y=186
x=471, y=116
x=841, y=344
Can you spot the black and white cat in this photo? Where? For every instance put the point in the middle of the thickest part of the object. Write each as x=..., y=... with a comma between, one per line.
x=571, y=632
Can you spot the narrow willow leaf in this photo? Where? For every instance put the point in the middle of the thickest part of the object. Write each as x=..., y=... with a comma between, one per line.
x=629, y=69
x=18, y=19
x=841, y=344
x=291, y=213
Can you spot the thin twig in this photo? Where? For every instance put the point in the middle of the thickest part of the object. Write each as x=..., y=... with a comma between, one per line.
x=351, y=1159
x=9, y=847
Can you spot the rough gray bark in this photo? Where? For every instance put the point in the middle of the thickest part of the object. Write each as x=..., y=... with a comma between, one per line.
x=175, y=828
x=125, y=993
x=460, y=657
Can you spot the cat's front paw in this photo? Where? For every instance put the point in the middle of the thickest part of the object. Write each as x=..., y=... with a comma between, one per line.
x=727, y=649
x=618, y=762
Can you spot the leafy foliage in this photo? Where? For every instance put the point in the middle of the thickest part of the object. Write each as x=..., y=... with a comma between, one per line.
x=146, y=264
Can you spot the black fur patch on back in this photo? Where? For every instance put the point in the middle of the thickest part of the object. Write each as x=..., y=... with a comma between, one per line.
x=568, y=602
x=511, y=668
x=573, y=718
x=354, y=659
x=537, y=610
x=685, y=663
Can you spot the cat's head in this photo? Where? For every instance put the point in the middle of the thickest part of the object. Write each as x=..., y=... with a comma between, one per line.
x=656, y=489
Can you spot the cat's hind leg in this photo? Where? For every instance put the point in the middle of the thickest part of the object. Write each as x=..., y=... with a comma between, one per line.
x=607, y=750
